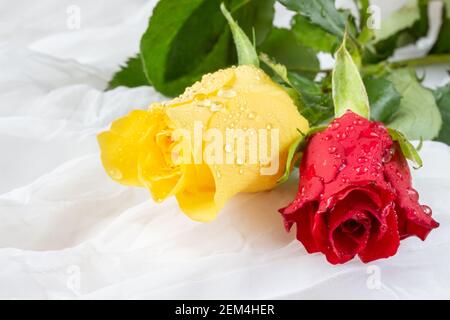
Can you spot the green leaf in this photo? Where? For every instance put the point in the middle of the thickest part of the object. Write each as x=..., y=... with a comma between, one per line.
x=442, y=96
x=417, y=114
x=320, y=12
x=442, y=44
x=348, y=88
x=316, y=100
x=407, y=148
x=282, y=45
x=131, y=75
x=255, y=15
x=363, y=6
x=245, y=50
x=295, y=149
x=401, y=28
x=312, y=102
x=383, y=97
x=188, y=38
x=311, y=35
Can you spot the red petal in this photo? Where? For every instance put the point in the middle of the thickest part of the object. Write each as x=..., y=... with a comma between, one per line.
x=358, y=208
x=304, y=226
x=387, y=245
x=413, y=220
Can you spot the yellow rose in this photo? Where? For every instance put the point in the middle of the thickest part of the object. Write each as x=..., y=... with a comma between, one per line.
x=145, y=148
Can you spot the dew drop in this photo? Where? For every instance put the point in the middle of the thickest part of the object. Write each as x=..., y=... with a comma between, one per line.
x=268, y=126
x=361, y=169
x=332, y=149
x=426, y=209
x=378, y=167
x=241, y=171
x=387, y=156
x=204, y=103
x=216, y=106
x=335, y=124
x=251, y=115
x=413, y=194
x=116, y=174
x=362, y=160
x=224, y=93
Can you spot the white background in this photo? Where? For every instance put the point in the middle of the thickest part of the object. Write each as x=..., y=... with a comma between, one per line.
x=68, y=231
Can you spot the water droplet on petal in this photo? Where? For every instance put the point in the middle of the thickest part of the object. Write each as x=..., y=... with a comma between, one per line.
x=387, y=156
x=361, y=169
x=332, y=149
x=378, y=167
x=226, y=93
x=251, y=115
x=241, y=171
x=335, y=124
x=426, y=209
x=204, y=103
x=116, y=174
x=413, y=194
x=216, y=106
x=362, y=159
x=302, y=191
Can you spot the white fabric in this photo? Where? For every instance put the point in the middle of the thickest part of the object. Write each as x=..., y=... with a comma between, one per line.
x=68, y=231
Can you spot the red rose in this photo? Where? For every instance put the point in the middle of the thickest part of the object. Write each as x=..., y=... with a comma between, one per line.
x=355, y=195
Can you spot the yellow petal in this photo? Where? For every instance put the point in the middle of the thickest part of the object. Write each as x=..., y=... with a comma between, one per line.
x=250, y=100
x=197, y=200
x=209, y=84
x=120, y=146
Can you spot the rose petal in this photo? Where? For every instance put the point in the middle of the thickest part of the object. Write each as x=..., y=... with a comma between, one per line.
x=413, y=220
x=385, y=246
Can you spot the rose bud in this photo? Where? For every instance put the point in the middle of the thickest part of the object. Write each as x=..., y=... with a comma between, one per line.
x=143, y=148
x=355, y=195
